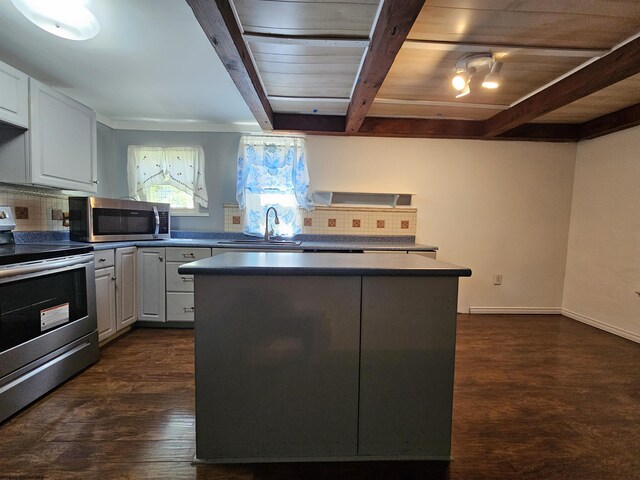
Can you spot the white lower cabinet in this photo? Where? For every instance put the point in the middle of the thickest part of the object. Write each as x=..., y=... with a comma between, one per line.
x=115, y=290
x=179, y=288
x=151, y=284
x=126, y=313
x=106, y=302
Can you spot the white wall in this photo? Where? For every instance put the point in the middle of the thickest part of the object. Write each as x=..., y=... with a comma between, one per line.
x=496, y=206
x=603, y=261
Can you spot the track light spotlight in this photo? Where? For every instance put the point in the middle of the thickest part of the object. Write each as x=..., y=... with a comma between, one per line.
x=461, y=80
x=469, y=65
x=492, y=79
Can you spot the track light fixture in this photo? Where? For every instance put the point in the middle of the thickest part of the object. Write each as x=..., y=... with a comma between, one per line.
x=472, y=64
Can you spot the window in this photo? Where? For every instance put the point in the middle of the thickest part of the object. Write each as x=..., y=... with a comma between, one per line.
x=172, y=175
x=272, y=172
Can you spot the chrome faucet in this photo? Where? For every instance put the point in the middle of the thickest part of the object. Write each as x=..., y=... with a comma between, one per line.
x=266, y=223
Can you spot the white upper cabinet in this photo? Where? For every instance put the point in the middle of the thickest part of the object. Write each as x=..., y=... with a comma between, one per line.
x=14, y=96
x=62, y=140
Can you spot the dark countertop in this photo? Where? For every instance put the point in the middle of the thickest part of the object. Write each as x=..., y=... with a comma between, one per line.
x=216, y=243
x=334, y=264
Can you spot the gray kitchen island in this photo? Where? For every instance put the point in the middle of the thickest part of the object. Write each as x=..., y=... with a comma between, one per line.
x=323, y=356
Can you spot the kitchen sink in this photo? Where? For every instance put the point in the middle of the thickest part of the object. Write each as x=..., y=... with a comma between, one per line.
x=259, y=242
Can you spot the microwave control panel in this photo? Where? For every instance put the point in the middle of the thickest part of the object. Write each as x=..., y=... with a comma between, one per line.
x=164, y=222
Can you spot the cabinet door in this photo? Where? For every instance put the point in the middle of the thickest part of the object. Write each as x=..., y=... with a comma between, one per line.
x=106, y=302
x=14, y=96
x=408, y=337
x=63, y=140
x=276, y=366
x=151, y=284
x=126, y=313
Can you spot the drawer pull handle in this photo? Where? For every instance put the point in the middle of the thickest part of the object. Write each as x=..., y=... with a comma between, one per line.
x=189, y=309
x=188, y=255
x=187, y=279
x=102, y=259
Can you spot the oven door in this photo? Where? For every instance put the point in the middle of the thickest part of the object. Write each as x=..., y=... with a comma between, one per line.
x=44, y=305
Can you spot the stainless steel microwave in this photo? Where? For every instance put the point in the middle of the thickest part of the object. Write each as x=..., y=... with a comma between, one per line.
x=94, y=219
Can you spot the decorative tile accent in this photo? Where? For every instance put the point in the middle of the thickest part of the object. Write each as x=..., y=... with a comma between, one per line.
x=37, y=205
x=404, y=224
x=332, y=222
x=22, y=213
x=317, y=221
x=355, y=223
x=379, y=223
x=236, y=219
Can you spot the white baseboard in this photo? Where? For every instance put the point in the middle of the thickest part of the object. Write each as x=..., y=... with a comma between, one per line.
x=601, y=325
x=516, y=310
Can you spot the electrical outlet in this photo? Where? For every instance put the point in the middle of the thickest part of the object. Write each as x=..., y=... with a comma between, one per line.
x=497, y=279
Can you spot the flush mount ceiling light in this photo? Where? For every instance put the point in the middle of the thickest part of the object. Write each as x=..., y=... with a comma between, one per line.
x=69, y=19
x=473, y=64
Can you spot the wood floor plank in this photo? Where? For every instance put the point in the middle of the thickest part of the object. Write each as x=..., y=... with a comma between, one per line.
x=536, y=397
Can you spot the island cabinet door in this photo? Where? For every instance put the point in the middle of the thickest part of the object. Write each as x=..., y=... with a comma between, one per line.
x=407, y=363
x=276, y=367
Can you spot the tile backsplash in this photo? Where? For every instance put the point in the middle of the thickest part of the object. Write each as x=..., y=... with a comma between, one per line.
x=34, y=208
x=342, y=220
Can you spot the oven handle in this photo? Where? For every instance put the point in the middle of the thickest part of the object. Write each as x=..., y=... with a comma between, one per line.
x=156, y=221
x=44, y=265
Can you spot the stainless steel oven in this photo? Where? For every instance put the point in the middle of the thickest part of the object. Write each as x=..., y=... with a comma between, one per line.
x=94, y=219
x=48, y=328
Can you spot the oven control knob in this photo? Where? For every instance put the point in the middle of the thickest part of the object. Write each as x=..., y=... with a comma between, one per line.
x=3, y=214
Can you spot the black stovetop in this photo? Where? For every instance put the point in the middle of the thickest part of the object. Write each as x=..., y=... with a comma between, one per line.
x=20, y=253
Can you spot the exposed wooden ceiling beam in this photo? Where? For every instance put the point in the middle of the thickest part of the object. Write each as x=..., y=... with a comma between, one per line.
x=463, y=129
x=325, y=124
x=394, y=22
x=610, y=123
x=219, y=24
x=420, y=128
x=621, y=63
x=542, y=132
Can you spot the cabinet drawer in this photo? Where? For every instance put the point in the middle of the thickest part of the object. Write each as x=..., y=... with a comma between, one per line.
x=177, y=282
x=180, y=307
x=104, y=258
x=187, y=254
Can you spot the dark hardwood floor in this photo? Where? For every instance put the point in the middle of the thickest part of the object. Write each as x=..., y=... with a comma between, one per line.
x=536, y=397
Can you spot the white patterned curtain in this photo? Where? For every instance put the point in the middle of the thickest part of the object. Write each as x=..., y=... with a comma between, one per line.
x=272, y=171
x=181, y=167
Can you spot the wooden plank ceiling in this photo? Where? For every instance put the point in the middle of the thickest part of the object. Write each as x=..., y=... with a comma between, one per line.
x=570, y=69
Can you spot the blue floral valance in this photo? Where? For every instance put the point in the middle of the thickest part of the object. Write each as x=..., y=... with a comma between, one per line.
x=273, y=165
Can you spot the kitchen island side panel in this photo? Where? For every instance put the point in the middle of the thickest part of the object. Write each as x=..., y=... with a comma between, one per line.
x=276, y=366
x=407, y=365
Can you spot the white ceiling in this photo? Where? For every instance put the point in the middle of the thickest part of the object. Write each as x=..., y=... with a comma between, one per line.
x=151, y=64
